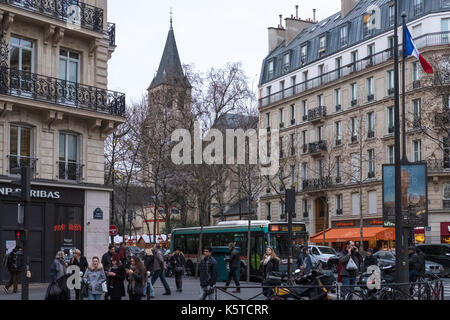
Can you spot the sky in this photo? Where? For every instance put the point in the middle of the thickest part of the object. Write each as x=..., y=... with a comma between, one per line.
x=209, y=33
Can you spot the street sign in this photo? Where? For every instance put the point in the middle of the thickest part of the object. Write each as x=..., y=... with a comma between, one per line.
x=113, y=230
x=98, y=214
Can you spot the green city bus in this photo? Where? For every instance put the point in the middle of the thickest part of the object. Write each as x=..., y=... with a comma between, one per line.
x=263, y=234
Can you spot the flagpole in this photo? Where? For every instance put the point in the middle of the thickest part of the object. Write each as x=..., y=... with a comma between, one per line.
x=404, y=156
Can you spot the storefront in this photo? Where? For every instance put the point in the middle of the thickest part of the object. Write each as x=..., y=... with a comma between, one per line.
x=445, y=232
x=419, y=235
x=56, y=222
x=375, y=236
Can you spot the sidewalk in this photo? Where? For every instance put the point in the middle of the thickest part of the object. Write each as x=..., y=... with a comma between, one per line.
x=191, y=291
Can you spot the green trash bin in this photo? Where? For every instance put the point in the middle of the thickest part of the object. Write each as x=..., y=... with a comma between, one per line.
x=221, y=254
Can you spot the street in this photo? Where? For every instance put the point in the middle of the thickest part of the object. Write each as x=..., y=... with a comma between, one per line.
x=191, y=291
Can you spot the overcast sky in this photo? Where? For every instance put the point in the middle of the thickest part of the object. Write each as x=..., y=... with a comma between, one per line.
x=209, y=33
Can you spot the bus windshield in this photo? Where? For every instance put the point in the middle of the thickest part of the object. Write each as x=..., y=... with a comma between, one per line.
x=280, y=242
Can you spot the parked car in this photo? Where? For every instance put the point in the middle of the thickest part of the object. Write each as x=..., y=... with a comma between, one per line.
x=333, y=262
x=322, y=253
x=387, y=258
x=439, y=253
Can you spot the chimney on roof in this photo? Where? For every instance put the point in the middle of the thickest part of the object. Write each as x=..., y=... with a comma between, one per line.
x=296, y=12
x=347, y=6
x=314, y=15
x=294, y=27
x=281, y=21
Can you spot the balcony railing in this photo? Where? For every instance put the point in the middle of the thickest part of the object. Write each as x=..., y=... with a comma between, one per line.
x=317, y=113
x=316, y=147
x=317, y=184
x=73, y=12
x=51, y=90
x=426, y=40
x=71, y=171
x=112, y=34
x=438, y=165
x=442, y=119
x=17, y=162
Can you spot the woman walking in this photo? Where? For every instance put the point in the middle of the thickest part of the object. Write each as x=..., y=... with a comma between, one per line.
x=57, y=290
x=116, y=276
x=137, y=276
x=178, y=263
x=81, y=262
x=269, y=263
x=94, y=277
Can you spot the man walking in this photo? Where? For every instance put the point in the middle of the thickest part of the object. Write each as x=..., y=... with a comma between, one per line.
x=107, y=261
x=234, y=264
x=208, y=275
x=159, y=266
x=351, y=263
x=14, y=269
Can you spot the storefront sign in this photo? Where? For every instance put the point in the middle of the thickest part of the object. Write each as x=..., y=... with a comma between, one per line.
x=39, y=194
x=345, y=224
x=445, y=228
x=376, y=222
x=98, y=214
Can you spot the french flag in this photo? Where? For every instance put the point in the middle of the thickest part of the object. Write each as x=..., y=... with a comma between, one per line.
x=411, y=50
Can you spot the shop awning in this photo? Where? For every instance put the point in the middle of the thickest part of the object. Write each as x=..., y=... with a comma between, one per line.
x=353, y=234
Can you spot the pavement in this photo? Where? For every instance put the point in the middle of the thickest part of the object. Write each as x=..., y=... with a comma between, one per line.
x=191, y=291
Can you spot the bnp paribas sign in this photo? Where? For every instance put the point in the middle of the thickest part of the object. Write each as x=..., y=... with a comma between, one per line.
x=38, y=194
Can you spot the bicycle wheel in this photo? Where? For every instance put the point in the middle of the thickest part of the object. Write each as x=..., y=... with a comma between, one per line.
x=386, y=294
x=355, y=295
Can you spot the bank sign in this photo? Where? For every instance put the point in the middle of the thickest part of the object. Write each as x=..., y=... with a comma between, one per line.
x=38, y=194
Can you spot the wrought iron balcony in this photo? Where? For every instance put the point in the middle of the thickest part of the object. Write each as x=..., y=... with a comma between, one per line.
x=70, y=171
x=52, y=90
x=417, y=122
x=17, y=162
x=316, y=147
x=317, y=114
x=317, y=184
x=112, y=34
x=72, y=12
x=438, y=165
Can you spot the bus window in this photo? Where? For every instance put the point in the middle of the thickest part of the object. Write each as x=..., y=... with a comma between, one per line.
x=179, y=242
x=192, y=241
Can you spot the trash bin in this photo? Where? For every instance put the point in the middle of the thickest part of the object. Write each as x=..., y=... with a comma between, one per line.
x=221, y=254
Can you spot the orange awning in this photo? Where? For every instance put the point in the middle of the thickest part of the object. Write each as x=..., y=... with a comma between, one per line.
x=353, y=234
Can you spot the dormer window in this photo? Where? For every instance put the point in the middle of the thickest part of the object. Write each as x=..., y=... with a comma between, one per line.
x=304, y=53
x=344, y=36
x=418, y=7
x=391, y=15
x=286, y=61
x=322, y=44
x=270, y=69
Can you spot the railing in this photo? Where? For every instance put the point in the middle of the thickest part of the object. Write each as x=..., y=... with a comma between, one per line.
x=74, y=12
x=438, y=165
x=317, y=184
x=317, y=113
x=71, y=171
x=427, y=40
x=112, y=34
x=17, y=162
x=315, y=147
x=70, y=94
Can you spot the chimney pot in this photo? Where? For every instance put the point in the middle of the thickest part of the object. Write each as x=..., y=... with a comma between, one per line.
x=296, y=11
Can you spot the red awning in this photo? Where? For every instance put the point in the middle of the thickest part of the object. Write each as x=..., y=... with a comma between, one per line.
x=353, y=234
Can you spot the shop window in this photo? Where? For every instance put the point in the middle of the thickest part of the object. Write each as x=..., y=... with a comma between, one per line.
x=68, y=229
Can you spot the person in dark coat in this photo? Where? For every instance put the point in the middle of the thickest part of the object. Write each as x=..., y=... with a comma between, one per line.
x=14, y=269
x=137, y=276
x=269, y=263
x=178, y=263
x=369, y=260
x=347, y=273
x=234, y=264
x=58, y=277
x=115, y=277
x=81, y=262
x=304, y=262
x=122, y=253
x=159, y=267
x=106, y=261
x=148, y=263
x=208, y=275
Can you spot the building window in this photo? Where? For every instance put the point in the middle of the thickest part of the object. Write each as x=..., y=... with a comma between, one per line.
x=371, y=164
x=418, y=7
x=370, y=90
x=446, y=197
x=282, y=89
x=20, y=147
x=338, y=132
x=416, y=71
x=322, y=43
x=286, y=62
x=269, y=93
x=270, y=72
x=338, y=65
x=281, y=118
x=339, y=205
x=292, y=145
x=371, y=54
x=338, y=98
x=292, y=114
x=371, y=125
x=355, y=167
x=21, y=55
x=390, y=154
x=281, y=208
x=305, y=208
x=304, y=54
x=305, y=110
x=320, y=100
x=354, y=129
x=338, y=170
x=372, y=202
x=355, y=204
x=268, y=120
x=354, y=94
x=344, y=36
x=390, y=120
x=391, y=46
x=292, y=175
x=391, y=15
x=319, y=133
x=354, y=59
x=268, y=211
x=390, y=76
x=416, y=113
x=69, y=159
x=417, y=150
x=321, y=70
x=69, y=66
x=305, y=79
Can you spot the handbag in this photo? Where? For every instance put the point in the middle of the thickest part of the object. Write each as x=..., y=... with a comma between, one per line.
x=55, y=290
x=84, y=290
x=104, y=287
x=179, y=269
x=351, y=265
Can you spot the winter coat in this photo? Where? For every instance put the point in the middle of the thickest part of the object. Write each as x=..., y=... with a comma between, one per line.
x=177, y=260
x=272, y=265
x=136, y=283
x=345, y=258
x=370, y=261
x=12, y=262
x=116, y=288
x=58, y=277
x=57, y=270
x=106, y=261
x=234, y=259
x=208, y=271
x=94, y=279
x=158, y=262
x=82, y=263
x=417, y=263
x=148, y=262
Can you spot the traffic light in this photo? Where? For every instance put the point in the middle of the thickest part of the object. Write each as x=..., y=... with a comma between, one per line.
x=24, y=184
x=20, y=235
